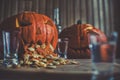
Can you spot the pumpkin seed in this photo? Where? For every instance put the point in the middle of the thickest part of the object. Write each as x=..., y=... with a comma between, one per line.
x=37, y=46
x=42, y=64
x=51, y=67
x=31, y=49
x=43, y=46
x=51, y=47
x=44, y=60
x=35, y=60
x=50, y=64
x=73, y=62
x=56, y=63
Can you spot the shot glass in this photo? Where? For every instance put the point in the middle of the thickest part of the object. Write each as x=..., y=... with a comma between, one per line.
x=10, y=47
x=62, y=47
x=103, y=56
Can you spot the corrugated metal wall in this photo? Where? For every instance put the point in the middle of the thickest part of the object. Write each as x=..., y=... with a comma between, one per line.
x=96, y=12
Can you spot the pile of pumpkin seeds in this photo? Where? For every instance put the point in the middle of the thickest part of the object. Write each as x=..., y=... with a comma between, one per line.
x=46, y=59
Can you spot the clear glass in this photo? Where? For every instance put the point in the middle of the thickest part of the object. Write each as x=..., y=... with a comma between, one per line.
x=103, y=56
x=11, y=46
x=62, y=47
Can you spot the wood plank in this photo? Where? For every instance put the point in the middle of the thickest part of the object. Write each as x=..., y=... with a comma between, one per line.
x=2, y=11
x=9, y=9
x=73, y=3
x=101, y=15
x=21, y=6
x=80, y=10
x=116, y=14
x=28, y=5
x=35, y=6
x=87, y=15
x=5, y=9
x=106, y=10
x=69, y=12
x=89, y=9
x=72, y=13
x=83, y=11
x=95, y=13
x=14, y=7
x=111, y=15
x=56, y=3
x=76, y=10
x=49, y=11
x=42, y=6
x=63, y=13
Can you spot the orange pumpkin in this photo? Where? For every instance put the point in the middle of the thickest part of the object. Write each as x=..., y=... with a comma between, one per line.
x=78, y=46
x=33, y=27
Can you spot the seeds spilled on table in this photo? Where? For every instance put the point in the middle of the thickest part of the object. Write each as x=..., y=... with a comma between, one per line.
x=37, y=56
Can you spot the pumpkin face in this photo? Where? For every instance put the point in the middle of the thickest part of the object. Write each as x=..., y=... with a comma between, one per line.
x=78, y=46
x=34, y=28
x=37, y=28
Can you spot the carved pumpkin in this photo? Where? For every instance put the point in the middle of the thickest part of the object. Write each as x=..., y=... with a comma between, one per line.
x=78, y=46
x=33, y=27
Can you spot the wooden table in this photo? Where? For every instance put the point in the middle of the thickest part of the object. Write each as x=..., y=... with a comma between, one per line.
x=81, y=71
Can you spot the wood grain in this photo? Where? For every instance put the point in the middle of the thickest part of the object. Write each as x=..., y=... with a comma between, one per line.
x=99, y=13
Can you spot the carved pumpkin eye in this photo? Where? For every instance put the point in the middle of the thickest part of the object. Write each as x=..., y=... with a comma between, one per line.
x=25, y=23
x=49, y=23
x=25, y=20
